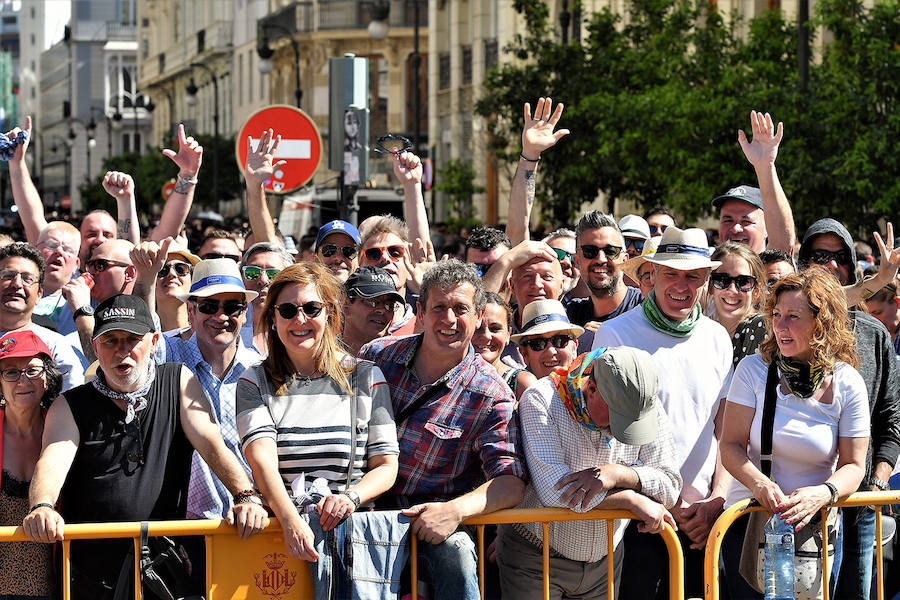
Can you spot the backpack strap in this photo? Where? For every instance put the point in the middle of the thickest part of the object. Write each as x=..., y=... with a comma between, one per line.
x=768, y=421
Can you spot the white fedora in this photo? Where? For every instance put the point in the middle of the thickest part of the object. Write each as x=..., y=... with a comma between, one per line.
x=545, y=316
x=683, y=249
x=216, y=276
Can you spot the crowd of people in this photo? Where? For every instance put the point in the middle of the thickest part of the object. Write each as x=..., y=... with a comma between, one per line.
x=377, y=388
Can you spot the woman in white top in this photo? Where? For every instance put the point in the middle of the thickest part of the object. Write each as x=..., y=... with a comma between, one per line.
x=821, y=428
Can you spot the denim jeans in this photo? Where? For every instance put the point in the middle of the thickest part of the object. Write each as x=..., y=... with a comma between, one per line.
x=853, y=555
x=452, y=567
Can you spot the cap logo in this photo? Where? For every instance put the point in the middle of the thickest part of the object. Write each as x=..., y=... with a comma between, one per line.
x=337, y=225
x=382, y=278
x=118, y=312
x=738, y=191
x=7, y=345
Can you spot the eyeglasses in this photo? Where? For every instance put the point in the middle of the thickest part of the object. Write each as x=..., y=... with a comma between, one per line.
x=181, y=269
x=213, y=255
x=252, y=273
x=98, y=265
x=481, y=269
x=232, y=308
x=636, y=243
x=771, y=282
x=13, y=375
x=28, y=279
x=823, y=257
x=53, y=246
x=742, y=283
x=395, y=252
x=538, y=344
x=561, y=254
x=136, y=449
x=660, y=229
x=289, y=310
x=389, y=305
x=590, y=251
x=329, y=250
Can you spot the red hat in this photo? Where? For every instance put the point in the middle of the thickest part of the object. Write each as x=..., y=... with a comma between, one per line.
x=22, y=343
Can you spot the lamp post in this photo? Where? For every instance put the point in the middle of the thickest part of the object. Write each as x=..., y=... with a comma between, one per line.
x=265, y=52
x=137, y=101
x=192, y=100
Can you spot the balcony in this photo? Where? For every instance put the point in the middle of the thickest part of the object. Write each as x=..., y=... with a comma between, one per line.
x=120, y=31
x=350, y=14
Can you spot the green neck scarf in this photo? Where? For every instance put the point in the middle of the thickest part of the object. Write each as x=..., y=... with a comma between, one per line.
x=802, y=378
x=661, y=322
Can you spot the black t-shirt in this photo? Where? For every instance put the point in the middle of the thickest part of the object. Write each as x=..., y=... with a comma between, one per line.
x=581, y=311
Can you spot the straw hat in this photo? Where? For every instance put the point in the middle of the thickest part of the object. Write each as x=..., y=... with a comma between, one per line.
x=631, y=266
x=176, y=249
x=683, y=249
x=216, y=276
x=545, y=316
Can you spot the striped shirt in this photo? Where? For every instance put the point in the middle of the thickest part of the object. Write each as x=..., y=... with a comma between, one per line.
x=310, y=423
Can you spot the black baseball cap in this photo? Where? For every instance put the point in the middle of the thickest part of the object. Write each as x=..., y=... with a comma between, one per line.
x=123, y=313
x=370, y=282
x=746, y=193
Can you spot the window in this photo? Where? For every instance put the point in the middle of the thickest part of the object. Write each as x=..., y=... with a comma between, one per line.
x=201, y=41
x=33, y=40
x=467, y=65
x=444, y=71
x=162, y=62
x=240, y=85
x=490, y=54
x=9, y=20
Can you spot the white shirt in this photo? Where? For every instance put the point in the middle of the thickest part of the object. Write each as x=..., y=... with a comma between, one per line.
x=694, y=374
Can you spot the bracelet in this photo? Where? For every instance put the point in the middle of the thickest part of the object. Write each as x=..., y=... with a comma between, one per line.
x=250, y=495
x=534, y=160
x=353, y=496
x=834, y=491
x=881, y=484
x=41, y=505
x=189, y=178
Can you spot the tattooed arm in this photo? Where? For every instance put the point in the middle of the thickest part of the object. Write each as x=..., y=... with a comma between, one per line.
x=121, y=187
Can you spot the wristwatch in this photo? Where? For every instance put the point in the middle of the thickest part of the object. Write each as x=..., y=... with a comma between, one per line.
x=881, y=484
x=833, y=489
x=87, y=310
x=354, y=497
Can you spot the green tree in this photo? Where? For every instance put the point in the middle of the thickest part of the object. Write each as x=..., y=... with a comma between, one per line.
x=457, y=180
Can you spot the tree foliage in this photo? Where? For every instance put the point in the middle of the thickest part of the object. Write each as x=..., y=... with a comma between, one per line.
x=457, y=180
x=654, y=100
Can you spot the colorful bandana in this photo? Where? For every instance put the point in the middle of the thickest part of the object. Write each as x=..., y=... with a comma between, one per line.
x=662, y=323
x=568, y=384
x=802, y=378
x=134, y=401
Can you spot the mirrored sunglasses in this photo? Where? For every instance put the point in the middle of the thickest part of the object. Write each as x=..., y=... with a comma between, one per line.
x=252, y=273
x=329, y=250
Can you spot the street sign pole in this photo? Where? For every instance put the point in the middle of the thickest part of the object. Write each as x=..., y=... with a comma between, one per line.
x=348, y=120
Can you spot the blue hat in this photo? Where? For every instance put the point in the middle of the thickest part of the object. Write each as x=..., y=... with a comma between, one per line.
x=336, y=226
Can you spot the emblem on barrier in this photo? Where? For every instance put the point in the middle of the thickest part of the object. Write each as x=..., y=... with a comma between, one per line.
x=276, y=580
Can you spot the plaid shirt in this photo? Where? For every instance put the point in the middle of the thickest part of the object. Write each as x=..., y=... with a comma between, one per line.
x=465, y=434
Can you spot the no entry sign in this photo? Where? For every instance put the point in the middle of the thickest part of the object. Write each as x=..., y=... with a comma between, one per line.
x=301, y=145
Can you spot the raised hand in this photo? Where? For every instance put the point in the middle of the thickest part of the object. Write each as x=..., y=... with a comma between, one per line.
x=118, y=184
x=407, y=168
x=538, y=134
x=766, y=137
x=19, y=155
x=189, y=155
x=890, y=256
x=417, y=262
x=148, y=258
x=259, y=166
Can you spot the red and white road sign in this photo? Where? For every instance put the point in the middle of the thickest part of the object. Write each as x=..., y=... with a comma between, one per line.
x=168, y=189
x=301, y=145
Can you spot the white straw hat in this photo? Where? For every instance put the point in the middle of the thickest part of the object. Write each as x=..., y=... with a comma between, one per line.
x=631, y=266
x=683, y=249
x=216, y=276
x=545, y=316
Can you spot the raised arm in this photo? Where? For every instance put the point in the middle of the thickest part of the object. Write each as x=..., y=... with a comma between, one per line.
x=520, y=254
x=537, y=136
x=25, y=195
x=887, y=271
x=188, y=159
x=121, y=187
x=258, y=169
x=148, y=258
x=408, y=170
x=761, y=153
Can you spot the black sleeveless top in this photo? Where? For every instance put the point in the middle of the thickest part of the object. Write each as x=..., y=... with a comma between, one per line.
x=107, y=482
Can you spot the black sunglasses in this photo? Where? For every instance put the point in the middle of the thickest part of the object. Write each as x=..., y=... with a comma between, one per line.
x=329, y=250
x=136, y=448
x=98, y=265
x=558, y=341
x=232, y=308
x=743, y=283
x=590, y=251
x=181, y=269
x=289, y=310
x=213, y=255
x=823, y=257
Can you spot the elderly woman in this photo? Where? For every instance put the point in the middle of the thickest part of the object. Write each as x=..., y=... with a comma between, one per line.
x=491, y=338
x=311, y=397
x=547, y=340
x=821, y=424
x=28, y=383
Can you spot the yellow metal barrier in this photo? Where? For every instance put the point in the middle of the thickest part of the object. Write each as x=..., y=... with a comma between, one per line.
x=261, y=569
x=717, y=533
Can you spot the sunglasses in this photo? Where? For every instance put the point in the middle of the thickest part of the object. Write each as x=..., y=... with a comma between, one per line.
x=28, y=279
x=660, y=229
x=289, y=310
x=481, y=269
x=329, y=250
x=252, y=273
x=181, y=269
x=394, y=252
x=742, y=283
x=53, y=246
x=823, y=257
x=389, y=305
x=636, y=243
x=232, y=308
x=13, y=375
x=136, y=448
x=538, y=344
x=562, y=255
x=98, y=265
x=213, y=255
x=590, y=251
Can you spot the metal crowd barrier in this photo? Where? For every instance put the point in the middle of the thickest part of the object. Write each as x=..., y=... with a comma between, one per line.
x=260, y=568
x=716, y=534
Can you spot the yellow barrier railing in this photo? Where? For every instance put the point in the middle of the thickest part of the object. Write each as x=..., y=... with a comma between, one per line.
x=725, y=520
x=234, y=567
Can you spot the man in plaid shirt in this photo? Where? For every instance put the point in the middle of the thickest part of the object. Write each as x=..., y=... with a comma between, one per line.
x=459, y=443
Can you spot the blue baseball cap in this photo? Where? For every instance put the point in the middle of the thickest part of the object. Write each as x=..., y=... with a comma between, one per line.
x=336, y=226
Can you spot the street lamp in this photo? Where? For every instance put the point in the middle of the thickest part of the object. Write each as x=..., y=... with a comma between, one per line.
x=265, y=52
x=192, y=100
x=137, y=101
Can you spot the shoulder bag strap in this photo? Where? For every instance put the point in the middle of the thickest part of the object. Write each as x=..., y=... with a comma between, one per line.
x=768, y=422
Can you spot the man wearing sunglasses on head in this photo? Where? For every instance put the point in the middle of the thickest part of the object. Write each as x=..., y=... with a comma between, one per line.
x=259, y=266
x=337, y=248
x=119, y=449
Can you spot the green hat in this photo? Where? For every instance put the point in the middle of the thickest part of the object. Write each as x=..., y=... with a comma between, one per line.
x=626, y=380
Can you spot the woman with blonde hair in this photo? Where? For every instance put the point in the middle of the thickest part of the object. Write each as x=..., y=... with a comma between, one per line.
x=310, y=410
x=821, y=429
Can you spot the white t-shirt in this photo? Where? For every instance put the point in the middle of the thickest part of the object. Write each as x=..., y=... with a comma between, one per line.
x=806, y=431
x=694, y=374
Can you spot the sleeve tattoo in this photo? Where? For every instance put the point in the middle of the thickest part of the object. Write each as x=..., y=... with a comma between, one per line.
x=529, y=187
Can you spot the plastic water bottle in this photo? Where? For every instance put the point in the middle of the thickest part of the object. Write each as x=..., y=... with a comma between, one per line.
x=779, y=560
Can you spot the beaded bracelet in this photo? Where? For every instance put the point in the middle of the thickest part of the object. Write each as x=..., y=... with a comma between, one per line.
x=250, y=495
